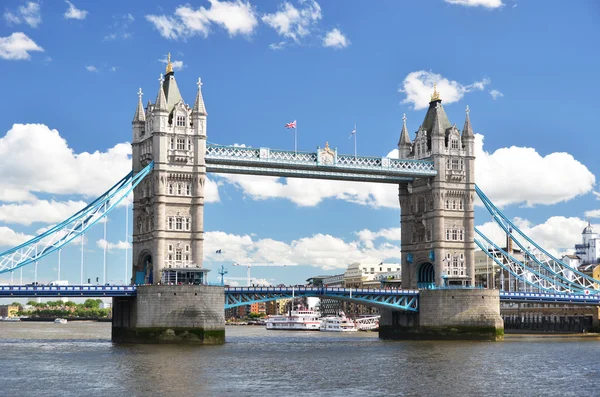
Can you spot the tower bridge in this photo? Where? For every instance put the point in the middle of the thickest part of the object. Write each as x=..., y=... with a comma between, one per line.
x=435, y=175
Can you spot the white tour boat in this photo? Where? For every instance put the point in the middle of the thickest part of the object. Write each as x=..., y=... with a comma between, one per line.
x=60, y=321
x=339, y=323
x=298, y=320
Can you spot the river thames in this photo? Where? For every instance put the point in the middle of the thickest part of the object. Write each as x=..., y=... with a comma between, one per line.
x=78, y=359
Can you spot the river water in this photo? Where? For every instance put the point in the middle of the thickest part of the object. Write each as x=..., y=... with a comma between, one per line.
x=78, y=359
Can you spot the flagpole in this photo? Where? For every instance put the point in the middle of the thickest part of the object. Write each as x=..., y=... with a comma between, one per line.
x=296, y=138
x=355, y=132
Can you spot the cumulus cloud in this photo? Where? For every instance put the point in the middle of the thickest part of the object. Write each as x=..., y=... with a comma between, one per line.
x=28, y=14
x=320, y=250
x=10, y=238
x=39, y=211
x=121, y=245
x=17, y=46
x=335, y=39
x=74, y=13
x=534, y=179
x=237, y=17
x=294, y=23
x=496, y=94
x=91, y=68
x=593, y=214
x=418, y=87
x=557, y=235
x=478, y=3
x=177, y=65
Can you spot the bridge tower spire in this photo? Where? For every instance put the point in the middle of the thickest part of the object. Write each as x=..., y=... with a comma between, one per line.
x=437, y=217
x=168, y=206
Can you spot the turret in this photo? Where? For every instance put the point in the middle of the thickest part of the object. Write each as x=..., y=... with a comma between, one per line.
x=160, y=114
x=468, y=138
x=199, y=112
x=404, y=145
x=439, y=123
x=139, y=119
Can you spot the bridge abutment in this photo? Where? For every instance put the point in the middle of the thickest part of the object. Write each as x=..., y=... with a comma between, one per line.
x=176, y=314
x=447, y=314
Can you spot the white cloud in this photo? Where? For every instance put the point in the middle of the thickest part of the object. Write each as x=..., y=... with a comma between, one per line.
x=336, y=39
x=418, y=87
x=39, y=211
x=120, y=27
x=277, y=46
x=177, y=65
x=556, y=235
x=368, y=237
x=91, y=68
x=237, y=17
x=320, y=250
x=534, y=179
x=593, y=214
x=293, y=23
x=74, y=13
x=17, y=46
x=478, y=3
x=121, y=245
x=29, y=14
x=597, y=194
x=496, y=94
x=10, y=238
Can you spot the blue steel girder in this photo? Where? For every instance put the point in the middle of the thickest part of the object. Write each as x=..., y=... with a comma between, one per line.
x=325, y=164
x=389, y=299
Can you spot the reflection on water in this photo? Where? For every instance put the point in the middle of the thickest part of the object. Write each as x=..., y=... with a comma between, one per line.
x=77, y=359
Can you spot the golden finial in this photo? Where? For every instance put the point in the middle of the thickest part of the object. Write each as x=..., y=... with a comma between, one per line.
x=326, y=145
x=169, y=65
x=436, y=95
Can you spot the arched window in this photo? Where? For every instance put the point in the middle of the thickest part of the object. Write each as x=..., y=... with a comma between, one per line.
x=453, y=204
x=447, y=234
x=179, y=189
x=170, y=188
x=188, y=189
x=460, y=204
x=460, y=235
x=447, y=204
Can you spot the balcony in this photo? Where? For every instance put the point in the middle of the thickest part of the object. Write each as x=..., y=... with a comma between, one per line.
x=180, y=156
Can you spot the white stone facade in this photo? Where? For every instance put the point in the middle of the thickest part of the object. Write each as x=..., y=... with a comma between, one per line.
x=168, y=206
x=437, y=214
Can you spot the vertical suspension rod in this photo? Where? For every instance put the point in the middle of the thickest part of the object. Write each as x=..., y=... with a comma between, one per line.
x=105, y=247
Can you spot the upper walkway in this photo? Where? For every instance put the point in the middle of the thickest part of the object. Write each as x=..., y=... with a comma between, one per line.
x=323, y=164
x=239, y=296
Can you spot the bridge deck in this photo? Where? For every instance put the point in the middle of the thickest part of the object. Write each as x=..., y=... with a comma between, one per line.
x=325, y=164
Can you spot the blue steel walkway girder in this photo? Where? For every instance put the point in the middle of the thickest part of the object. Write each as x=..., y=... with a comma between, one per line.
x=326, y=164
x=406, y=300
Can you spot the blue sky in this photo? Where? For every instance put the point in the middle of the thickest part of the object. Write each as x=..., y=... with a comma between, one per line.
x=72, y=70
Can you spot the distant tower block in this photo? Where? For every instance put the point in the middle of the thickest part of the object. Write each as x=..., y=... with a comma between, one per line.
x=168, y=206
x=437, y=217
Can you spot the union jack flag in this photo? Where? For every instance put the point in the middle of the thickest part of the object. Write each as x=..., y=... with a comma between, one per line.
x=291, y=125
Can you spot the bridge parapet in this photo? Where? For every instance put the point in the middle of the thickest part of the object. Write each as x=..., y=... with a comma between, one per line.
x=281, y=162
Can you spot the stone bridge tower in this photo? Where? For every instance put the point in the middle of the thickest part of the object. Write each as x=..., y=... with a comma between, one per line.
x=437, y=217
x=168, y=206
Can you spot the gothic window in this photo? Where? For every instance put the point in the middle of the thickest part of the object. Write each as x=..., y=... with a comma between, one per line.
x=188, y=189
x=170, y=223
x=447, y=204
x=187, y=257
x=201, y=125
x=171, y=143
x=453, y=204
x=462, y=164
x=455, y=144
x=455, y=262
x=170, y=247
x=187, y=224
x=170, y=257
x=454, y=164
x=178, y=255
x=447, y=234
x=460, y=235
x=447, y=164
x=189, y=144
x=180, y=121
x=421, y=204
x=180, y=144
x=170, y=188
x=187, y=248
x=178, y=223
x=454, y=234
x=179, y=189
x=460, y=204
